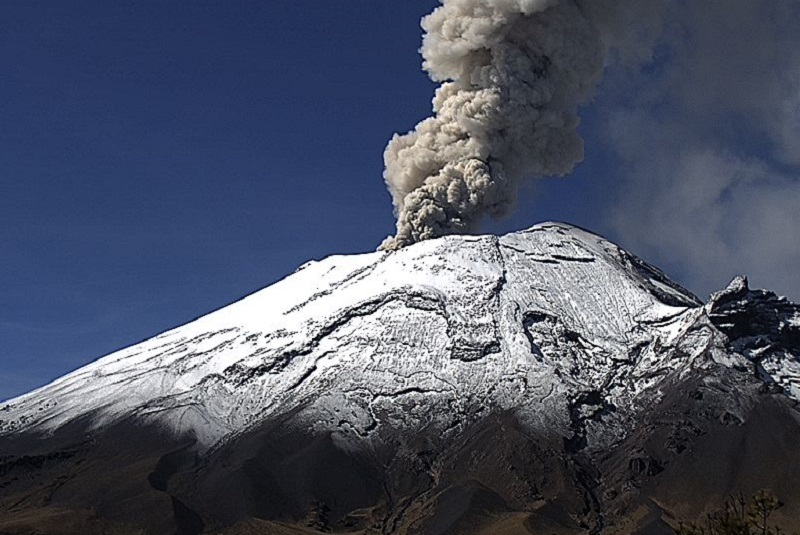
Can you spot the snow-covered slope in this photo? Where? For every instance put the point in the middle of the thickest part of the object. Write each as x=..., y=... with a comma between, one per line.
x=547, y=323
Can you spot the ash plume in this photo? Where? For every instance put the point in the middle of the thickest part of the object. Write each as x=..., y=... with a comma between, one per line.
x=513, y=73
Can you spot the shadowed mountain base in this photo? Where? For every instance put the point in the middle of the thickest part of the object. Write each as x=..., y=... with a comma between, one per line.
x=685, y=457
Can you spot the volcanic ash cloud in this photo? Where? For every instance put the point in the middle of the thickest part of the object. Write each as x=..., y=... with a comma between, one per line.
x=513, y=74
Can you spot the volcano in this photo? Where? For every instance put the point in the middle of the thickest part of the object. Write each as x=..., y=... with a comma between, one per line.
x=542, y=382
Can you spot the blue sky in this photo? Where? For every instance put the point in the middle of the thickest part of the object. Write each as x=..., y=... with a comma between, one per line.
x=159, y=159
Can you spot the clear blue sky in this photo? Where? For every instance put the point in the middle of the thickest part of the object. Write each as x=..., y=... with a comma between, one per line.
x=159, y=159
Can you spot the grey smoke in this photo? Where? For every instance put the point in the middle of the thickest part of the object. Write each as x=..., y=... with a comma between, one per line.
x=513, y=74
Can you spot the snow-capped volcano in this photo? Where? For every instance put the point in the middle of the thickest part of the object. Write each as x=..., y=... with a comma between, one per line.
x=500, y=322
x=576, y=340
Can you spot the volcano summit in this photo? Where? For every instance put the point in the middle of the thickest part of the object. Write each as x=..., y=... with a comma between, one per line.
x=545, y=381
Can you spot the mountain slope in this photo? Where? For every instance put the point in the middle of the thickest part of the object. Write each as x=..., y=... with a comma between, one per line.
x=543, y=380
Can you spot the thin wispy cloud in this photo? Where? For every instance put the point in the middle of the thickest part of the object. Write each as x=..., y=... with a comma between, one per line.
x=706, y=129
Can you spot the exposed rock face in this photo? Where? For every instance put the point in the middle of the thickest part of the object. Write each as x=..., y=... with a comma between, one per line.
x=763, y=327
x=541, y=382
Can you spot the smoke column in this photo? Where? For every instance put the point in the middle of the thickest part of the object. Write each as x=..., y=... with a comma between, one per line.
x=513, y=73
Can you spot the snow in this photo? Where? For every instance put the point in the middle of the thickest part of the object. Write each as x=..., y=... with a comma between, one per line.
x=668, y=289
x=521, y=322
